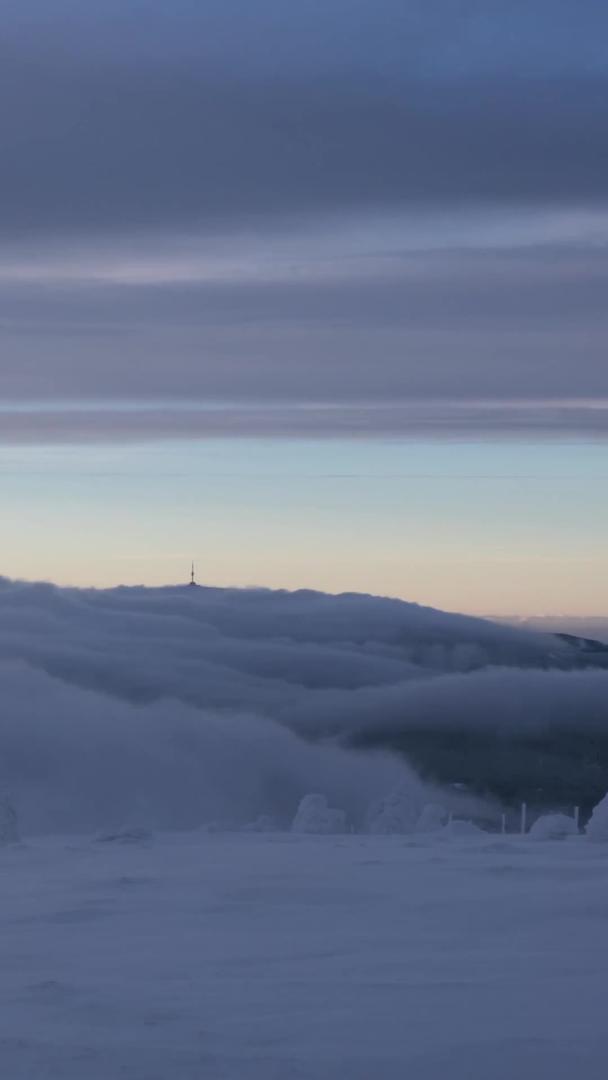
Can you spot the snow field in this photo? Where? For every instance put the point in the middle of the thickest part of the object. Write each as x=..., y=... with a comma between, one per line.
x=270, y=956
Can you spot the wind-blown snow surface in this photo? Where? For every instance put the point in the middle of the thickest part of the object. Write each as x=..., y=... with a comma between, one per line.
x=174, y=707
x=288, y=957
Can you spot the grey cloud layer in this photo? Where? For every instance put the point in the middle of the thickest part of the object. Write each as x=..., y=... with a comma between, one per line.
x=453, y=325
x=126, y=149
x=416, y=420
x=230, y=647
x=206, y=116
x=178, y=183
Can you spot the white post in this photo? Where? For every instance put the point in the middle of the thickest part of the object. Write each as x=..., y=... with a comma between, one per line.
x=524, y=815
x=503, y=824
x=577, y=816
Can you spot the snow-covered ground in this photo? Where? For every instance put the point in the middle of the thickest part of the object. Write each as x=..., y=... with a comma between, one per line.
x=243, y=956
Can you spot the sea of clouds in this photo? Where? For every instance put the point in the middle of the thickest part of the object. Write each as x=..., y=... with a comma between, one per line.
x=179, y=707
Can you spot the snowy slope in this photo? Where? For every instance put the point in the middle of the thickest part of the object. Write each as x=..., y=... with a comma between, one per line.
x=244, y=957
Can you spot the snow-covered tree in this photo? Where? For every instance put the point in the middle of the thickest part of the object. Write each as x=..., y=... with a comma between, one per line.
x=597, y=826
x=398, y=812
x=315, y=816
x=553, y=827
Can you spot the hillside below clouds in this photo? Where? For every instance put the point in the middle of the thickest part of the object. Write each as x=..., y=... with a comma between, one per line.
x=502, y=710
x=590, y=627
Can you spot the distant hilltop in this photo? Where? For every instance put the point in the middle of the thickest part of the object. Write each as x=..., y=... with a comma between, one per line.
x=586, y=627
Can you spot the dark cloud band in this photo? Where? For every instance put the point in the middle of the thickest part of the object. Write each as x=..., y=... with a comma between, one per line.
x=414, y=420
x=234, y=112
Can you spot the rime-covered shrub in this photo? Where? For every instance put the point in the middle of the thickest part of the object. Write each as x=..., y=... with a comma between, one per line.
x=397, y=812
x=432, y=818
x=263, y=823
x=315, y=816
x=553, y=827
x=458, y=827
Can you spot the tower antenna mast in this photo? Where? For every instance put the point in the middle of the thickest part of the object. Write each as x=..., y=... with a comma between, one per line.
x=192, y=581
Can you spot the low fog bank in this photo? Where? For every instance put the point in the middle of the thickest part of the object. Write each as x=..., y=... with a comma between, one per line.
x=72, y=759
x=188, y=705
x=227, y=648
x=539, y=736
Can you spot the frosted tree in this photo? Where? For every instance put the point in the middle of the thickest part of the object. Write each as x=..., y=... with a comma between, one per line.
x=397, y=812
x=553, y=827
x=315, y=816
x=597, y=826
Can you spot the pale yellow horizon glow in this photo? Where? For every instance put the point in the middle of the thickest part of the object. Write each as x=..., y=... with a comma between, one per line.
x=507, y=529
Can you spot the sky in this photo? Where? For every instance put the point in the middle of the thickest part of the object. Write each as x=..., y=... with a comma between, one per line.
x=313, y=294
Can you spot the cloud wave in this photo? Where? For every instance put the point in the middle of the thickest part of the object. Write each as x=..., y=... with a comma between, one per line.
x=180, y=706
